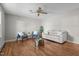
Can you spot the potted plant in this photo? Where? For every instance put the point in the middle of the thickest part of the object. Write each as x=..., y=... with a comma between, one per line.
x=41, y=41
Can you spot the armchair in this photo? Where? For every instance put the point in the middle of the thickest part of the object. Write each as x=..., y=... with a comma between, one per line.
x=21, y=35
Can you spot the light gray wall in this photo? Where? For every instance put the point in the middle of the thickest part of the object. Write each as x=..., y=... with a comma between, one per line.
x=2, y=27
x=0, y=24
x=16, y=24
x=68, y=22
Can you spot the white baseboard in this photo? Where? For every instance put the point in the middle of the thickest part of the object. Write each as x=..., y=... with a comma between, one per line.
x=76, y=42
x=10, y=40
x=2, y=46
x=73, y=42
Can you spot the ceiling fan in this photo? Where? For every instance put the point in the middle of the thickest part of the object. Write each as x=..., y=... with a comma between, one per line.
x=39, y=11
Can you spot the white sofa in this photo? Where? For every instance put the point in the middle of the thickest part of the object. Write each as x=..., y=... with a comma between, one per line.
x=59, y=36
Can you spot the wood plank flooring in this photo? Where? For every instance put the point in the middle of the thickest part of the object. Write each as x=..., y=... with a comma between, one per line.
x=27, y=48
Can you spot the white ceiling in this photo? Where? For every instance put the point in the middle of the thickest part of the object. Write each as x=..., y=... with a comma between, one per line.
x=22, y=9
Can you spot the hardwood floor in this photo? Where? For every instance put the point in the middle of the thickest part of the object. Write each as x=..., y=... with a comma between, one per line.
x=27, y=48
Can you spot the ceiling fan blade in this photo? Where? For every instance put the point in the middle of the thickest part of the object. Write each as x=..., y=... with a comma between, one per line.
x=32, y=11
x=44, y=12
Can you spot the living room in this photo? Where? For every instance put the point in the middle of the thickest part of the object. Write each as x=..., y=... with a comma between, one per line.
x=60, y=22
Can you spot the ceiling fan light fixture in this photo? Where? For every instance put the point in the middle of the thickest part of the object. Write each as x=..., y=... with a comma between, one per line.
x=38, y=14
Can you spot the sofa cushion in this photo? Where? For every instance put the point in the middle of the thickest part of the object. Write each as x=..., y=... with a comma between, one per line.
x=46, y=32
